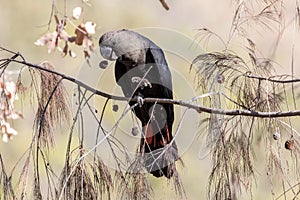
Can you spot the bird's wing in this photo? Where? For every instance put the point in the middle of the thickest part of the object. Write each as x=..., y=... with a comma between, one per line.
x=156, y=56
x=123, y=79
x=120, y=70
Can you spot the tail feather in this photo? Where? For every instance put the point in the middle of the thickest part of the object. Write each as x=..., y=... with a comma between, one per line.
x=160, y=151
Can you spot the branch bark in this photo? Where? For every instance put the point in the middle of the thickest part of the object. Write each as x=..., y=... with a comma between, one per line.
x=164, y=4
x=271, y=79
x=193, y=106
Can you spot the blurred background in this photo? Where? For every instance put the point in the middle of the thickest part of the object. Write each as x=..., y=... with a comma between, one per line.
x=23, y=22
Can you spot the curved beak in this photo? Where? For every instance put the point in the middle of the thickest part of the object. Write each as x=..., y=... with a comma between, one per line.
x=108, y=53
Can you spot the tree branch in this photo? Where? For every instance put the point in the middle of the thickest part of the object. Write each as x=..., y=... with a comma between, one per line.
x=164, y=4
x=196, y=107
x=271, y=79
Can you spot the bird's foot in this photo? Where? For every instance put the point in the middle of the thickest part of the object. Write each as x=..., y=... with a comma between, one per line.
x=140, y=101
x=142, y=81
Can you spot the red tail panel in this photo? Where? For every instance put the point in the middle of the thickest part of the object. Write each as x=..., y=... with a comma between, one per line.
x=159, y=158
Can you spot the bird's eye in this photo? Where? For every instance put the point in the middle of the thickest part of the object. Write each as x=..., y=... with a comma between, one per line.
x=108, y=53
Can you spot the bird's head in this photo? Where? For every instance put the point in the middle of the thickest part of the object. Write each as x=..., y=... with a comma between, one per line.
x=115, y=44
x=107, y=43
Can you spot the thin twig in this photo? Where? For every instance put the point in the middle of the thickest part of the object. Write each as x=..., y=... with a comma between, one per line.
x=92, y=149
x=164, y=4
x=293, y=80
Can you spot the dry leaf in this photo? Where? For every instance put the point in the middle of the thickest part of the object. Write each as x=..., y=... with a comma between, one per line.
x=88, y=43
x=49, y=39
x=80, y=32
x=82, y=36
x=63, y=35
x=65, y=49
x=86, y=54
x=72, y=54
x=8, y=90
x=7, y=131
x=90, y=27
x=72, y=39
x=77, y=12
x=45, y=39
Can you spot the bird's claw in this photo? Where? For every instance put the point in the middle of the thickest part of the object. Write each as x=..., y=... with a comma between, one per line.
x=140, y=101
x=142, y=81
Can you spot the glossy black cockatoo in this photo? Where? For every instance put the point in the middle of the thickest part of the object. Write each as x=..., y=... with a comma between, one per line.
x=141, y=71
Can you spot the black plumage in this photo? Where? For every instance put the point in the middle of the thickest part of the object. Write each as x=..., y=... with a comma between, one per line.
x=141, y=71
